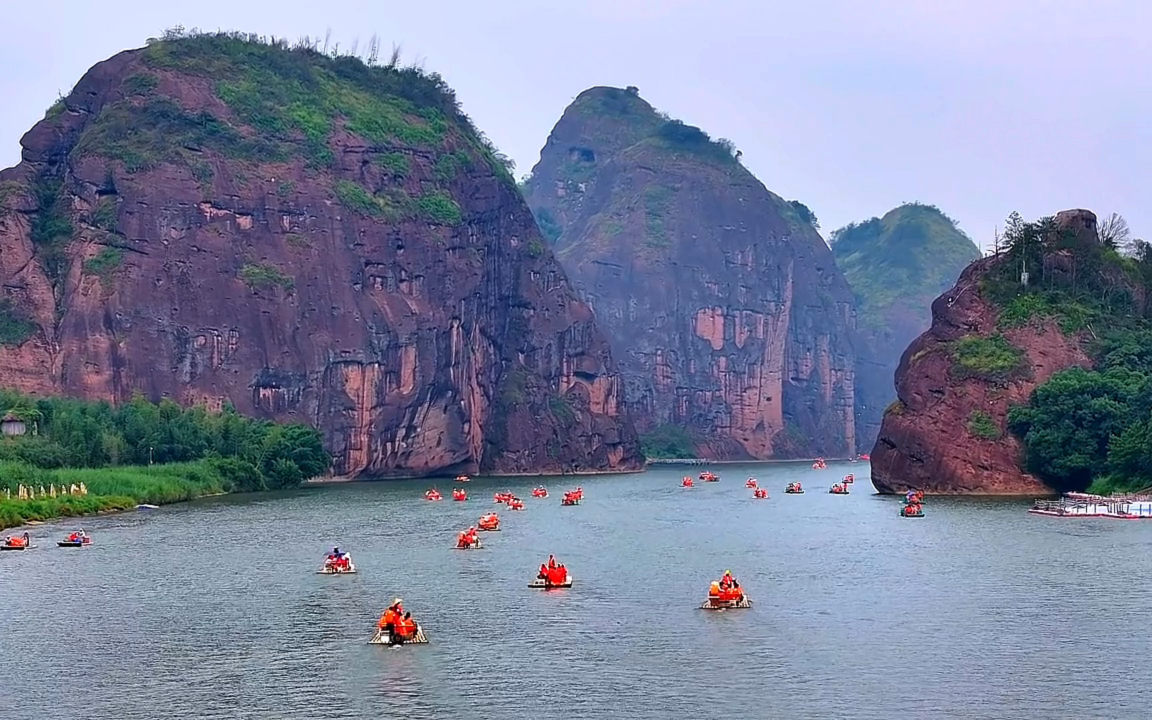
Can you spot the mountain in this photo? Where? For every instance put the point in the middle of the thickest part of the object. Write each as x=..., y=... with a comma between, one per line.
x=896, y=265
x=1036, y=374
x=229, y=221
x=725, y=308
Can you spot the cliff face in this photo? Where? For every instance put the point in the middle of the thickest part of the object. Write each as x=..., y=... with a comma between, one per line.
x=896, y=265
x=725, y=307
x=946, y=433
x=307, y=239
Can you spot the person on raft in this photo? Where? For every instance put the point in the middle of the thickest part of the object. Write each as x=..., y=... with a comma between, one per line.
x=392, y=614
x=468, y=538
x=728, y=582
x=403, y=630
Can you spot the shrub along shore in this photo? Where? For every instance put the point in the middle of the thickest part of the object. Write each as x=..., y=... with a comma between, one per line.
x=141, y=453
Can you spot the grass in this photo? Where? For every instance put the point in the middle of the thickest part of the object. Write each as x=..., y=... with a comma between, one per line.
x=439, y=208
x=297, y=241
x=140, y=84
x=983, y=426
x=285, y=189
x=104, y=264
x=394, y=163
x=562, y=411
x=104, y=216
x=657, y=203
x=450, y=164
x=114, y=488
x=392, y=205
x=990, y=358
x=258, y=276
x=143, y=134
x=15, y=327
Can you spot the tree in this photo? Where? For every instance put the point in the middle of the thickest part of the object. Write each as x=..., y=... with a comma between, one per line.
x=1115, y=233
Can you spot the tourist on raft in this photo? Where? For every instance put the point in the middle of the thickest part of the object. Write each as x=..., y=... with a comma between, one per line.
x=392, y=614
x=77, y=536
x=467, y=538
x=726, y=590
x=552, y=572
x=403, y=630
x=338, y=560
x=18, y=540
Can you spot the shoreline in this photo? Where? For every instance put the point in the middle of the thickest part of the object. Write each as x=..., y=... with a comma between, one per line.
x=110, y=511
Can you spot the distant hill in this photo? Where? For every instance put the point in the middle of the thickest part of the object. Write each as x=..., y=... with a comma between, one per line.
x=897, y=265
x=724, y=306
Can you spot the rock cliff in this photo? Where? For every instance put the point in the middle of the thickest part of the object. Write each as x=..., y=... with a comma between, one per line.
x=220, y=219
x=896, y=265
x=727, y=313
x=946, y=433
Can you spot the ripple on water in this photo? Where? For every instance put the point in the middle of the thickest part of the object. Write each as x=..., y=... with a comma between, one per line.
x=213, y=609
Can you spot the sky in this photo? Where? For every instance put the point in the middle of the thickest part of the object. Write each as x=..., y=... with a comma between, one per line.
x=981, y=107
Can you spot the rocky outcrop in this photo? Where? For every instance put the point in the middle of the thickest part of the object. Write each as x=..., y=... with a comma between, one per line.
x=307, y=239
x=946, y=433
x=725, y=307
x=896, y=265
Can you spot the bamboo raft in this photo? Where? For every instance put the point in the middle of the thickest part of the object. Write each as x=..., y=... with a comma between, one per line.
x=334, y=571
x=743, y=602
x=545, y=585
x=383, y=638
x=17, y=547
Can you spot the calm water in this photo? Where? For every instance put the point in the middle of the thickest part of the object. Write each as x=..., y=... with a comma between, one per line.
x=213, y=610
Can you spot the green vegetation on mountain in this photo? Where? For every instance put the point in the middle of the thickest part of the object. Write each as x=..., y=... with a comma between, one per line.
x=141, y=452
x=902, y=261
x=668, y=442
x=1083, y=428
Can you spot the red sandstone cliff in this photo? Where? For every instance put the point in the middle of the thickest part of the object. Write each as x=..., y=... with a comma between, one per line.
x=725, y=308
x=927, y=438
x=305, y=238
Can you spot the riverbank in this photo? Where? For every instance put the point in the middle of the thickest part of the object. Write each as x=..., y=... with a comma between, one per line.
x=112, y=489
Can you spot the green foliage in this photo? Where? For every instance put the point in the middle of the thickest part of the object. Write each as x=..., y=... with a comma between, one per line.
x=681, y=137
x=449, y=165
x=900, y=263
x=104, y=216
x=990, y=358
x=156, y=130
x=56, y=109
x=1082, y=422
x=390, y=205
x=259, y=276
x=196, y=452
x=549, y=227
x=983, y=426
x=15, y=326
x=804, y=213
x=285, y=189
x=140, y=84
x=657, y=207
x=667, y=442
x=395, y=163
x=297, y=241
x=52, y=230
x=104, y=264
x=439, y=208
x=299, y=95
x=535, y=248
x=14, y=513
x=8, y=188
x=896, y=407
x=562, y=411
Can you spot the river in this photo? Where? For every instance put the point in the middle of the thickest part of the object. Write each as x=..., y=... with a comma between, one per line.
x=212, y=609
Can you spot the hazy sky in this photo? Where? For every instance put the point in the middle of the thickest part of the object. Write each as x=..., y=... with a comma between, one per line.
x=979, y=106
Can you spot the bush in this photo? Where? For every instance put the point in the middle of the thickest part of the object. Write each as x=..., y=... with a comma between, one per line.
x=990, y=358
x=439, y=208
x=983, y=426
x=15, y=326
x=668, y=442
x=105, y=263
x=258, y=276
